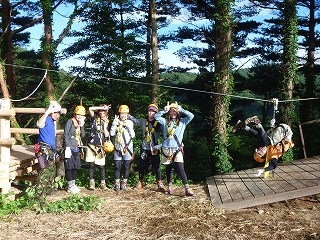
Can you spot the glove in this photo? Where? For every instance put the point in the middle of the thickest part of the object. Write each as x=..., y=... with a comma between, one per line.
x=272, y=122
x=167, y=108
x=107, y=107
x=116, y=120
x=67, y=153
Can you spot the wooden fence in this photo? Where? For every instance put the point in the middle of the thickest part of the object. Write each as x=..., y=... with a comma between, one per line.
x=9, y=170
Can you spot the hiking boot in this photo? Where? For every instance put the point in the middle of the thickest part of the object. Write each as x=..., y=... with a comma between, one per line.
x=139, y=185
x=170, y=190
x=188, y=192
x=124, y=186
x=73, y=190
x=92, y=185
x=103, y=186
x=239, y=125
x=161, y=187
x=253, y=119
x=117, y=187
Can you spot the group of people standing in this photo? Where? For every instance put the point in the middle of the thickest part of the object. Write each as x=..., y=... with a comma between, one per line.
x=169, y=123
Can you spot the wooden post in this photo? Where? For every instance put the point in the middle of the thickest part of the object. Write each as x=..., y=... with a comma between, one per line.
x=5, y=137
x=302, y=142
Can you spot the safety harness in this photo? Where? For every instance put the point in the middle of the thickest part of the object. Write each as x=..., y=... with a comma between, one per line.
x=171, y=134
x=120, y=130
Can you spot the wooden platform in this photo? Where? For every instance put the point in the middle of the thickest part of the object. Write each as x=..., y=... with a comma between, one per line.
x=242, y=189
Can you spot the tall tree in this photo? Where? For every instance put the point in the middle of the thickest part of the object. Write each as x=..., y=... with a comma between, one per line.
x=222, y=84
x=290, y=47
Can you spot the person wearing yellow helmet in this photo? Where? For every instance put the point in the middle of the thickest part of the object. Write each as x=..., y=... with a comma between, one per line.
x=123, y=133
x=72, y=141
x=172, y=146
x=151, y=130
x=271, y=144
x=99, y=134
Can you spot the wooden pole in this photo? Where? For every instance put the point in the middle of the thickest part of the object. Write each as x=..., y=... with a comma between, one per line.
x=5, y=149
x=302, y=142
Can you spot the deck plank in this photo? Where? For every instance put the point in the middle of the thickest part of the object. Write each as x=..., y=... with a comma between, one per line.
x=242, y=189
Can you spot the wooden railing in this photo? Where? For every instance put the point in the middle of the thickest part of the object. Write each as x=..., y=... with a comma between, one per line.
x=6, y=141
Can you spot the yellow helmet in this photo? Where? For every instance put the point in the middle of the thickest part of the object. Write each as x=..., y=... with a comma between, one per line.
x=123, y=109
x=174, y=106
x=258, y=158
x=153, y=107
x=108, y=146
x=80, y=110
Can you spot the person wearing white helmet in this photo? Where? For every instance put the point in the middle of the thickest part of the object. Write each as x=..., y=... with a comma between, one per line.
x=271, y=144
x=72, y=142
x=45, y=148
x=172, y=146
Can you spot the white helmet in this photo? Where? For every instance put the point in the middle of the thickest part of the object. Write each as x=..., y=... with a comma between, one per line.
x=55, y=106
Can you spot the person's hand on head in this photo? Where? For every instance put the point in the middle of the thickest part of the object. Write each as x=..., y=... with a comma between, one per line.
x=178, y=106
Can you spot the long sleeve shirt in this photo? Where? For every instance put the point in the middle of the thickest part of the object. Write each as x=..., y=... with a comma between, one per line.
x=150, y=131
x=171, y=128
x=124, y=133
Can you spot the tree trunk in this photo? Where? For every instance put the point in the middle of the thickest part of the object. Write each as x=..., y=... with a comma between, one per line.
x=307, y=110
x=222, y=84
x=289, y=59
x=47, y=45
x=154, y=48
x=7, y=54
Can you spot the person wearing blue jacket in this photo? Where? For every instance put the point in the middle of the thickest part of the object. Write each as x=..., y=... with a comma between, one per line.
x=172, y=147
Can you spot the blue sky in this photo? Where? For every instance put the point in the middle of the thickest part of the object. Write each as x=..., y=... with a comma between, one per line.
x=166, y=56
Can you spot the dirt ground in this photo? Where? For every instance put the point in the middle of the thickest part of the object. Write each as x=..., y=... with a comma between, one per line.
x=148, y=214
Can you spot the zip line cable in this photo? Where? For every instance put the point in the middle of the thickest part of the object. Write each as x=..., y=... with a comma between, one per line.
x=167, y=86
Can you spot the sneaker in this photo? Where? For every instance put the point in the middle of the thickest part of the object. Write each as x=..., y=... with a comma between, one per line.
x=253, y=119
x=117, y=187
x=238, y=126
x=170, y=190
x=73, y=190
x=76, y=187
x=139, y=185
x=188, y=192
x=123, y=186
x=259, y=172
x=161, y=187
x=91, y=185
x=103, y=186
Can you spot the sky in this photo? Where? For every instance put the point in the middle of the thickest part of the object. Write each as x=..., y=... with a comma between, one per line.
x=166, y=56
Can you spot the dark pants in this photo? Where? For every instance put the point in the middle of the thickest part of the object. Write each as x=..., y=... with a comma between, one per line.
x=118, y=165
x=272, y=164
x=144, y=164
x=179, y=167
x=261, y=136
x=101, y=171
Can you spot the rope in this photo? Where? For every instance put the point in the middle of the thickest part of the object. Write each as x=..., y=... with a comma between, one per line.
x=44, y=77
x=180, y=88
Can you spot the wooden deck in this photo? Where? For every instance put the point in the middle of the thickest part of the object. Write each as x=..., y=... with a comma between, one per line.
x=242, y=189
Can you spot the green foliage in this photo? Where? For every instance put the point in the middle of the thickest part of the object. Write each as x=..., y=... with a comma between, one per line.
x=220, y=156
x=9, y=206
x=74, y=203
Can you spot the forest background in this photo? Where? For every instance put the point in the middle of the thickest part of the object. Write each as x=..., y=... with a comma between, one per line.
x=119, y=44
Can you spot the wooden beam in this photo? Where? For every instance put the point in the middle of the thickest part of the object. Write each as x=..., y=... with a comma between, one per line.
x=31, y=131
x=7, y=141
x=35, y=110
x=7, y=112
